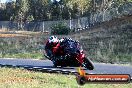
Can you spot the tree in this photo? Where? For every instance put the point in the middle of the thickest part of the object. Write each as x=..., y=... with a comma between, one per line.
x=77, y=8
x=40, y=9
x=22, y=6
x=22, y=9
x=56, y=10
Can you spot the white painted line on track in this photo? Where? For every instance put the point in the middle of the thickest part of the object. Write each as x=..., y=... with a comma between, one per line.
x=37, y=67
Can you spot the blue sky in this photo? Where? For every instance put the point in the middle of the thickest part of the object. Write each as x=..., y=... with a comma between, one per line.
x=3, y=1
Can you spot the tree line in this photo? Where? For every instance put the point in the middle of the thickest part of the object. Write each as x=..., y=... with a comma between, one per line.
x=45, y=10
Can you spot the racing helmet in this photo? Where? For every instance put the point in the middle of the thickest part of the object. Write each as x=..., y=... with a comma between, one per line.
x=53, y=39
x=61, y=40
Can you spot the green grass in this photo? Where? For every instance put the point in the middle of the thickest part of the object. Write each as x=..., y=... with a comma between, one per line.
x=23, y=55
x=20, y=78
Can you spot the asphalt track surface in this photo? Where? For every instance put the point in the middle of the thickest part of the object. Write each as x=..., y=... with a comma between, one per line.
x=100, y=68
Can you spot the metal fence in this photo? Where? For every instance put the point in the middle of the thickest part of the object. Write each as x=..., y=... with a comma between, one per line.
x=77, y=24
x=42, y=26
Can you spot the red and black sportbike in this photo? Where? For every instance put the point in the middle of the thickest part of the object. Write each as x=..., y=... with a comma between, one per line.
x=70, y=53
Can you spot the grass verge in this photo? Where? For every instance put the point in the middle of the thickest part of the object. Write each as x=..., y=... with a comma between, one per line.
x=21, y=78
x=23, y=55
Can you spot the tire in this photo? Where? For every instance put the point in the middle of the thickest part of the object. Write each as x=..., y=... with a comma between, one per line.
x=81, y=80
x=88, y=64
x=54, y=64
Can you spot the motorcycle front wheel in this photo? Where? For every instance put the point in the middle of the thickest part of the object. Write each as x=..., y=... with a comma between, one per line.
x=88, y=64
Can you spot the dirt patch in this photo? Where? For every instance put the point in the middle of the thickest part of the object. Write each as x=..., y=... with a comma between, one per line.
x=13, y=35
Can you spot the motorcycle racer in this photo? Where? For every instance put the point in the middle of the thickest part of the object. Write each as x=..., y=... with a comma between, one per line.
x=66, y=52
x=54, y=46
x=52, y=42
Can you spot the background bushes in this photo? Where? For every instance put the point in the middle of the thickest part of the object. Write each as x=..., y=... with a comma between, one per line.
x=60, y=29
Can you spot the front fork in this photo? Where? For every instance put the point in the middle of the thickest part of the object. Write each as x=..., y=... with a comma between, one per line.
x=80, y=59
